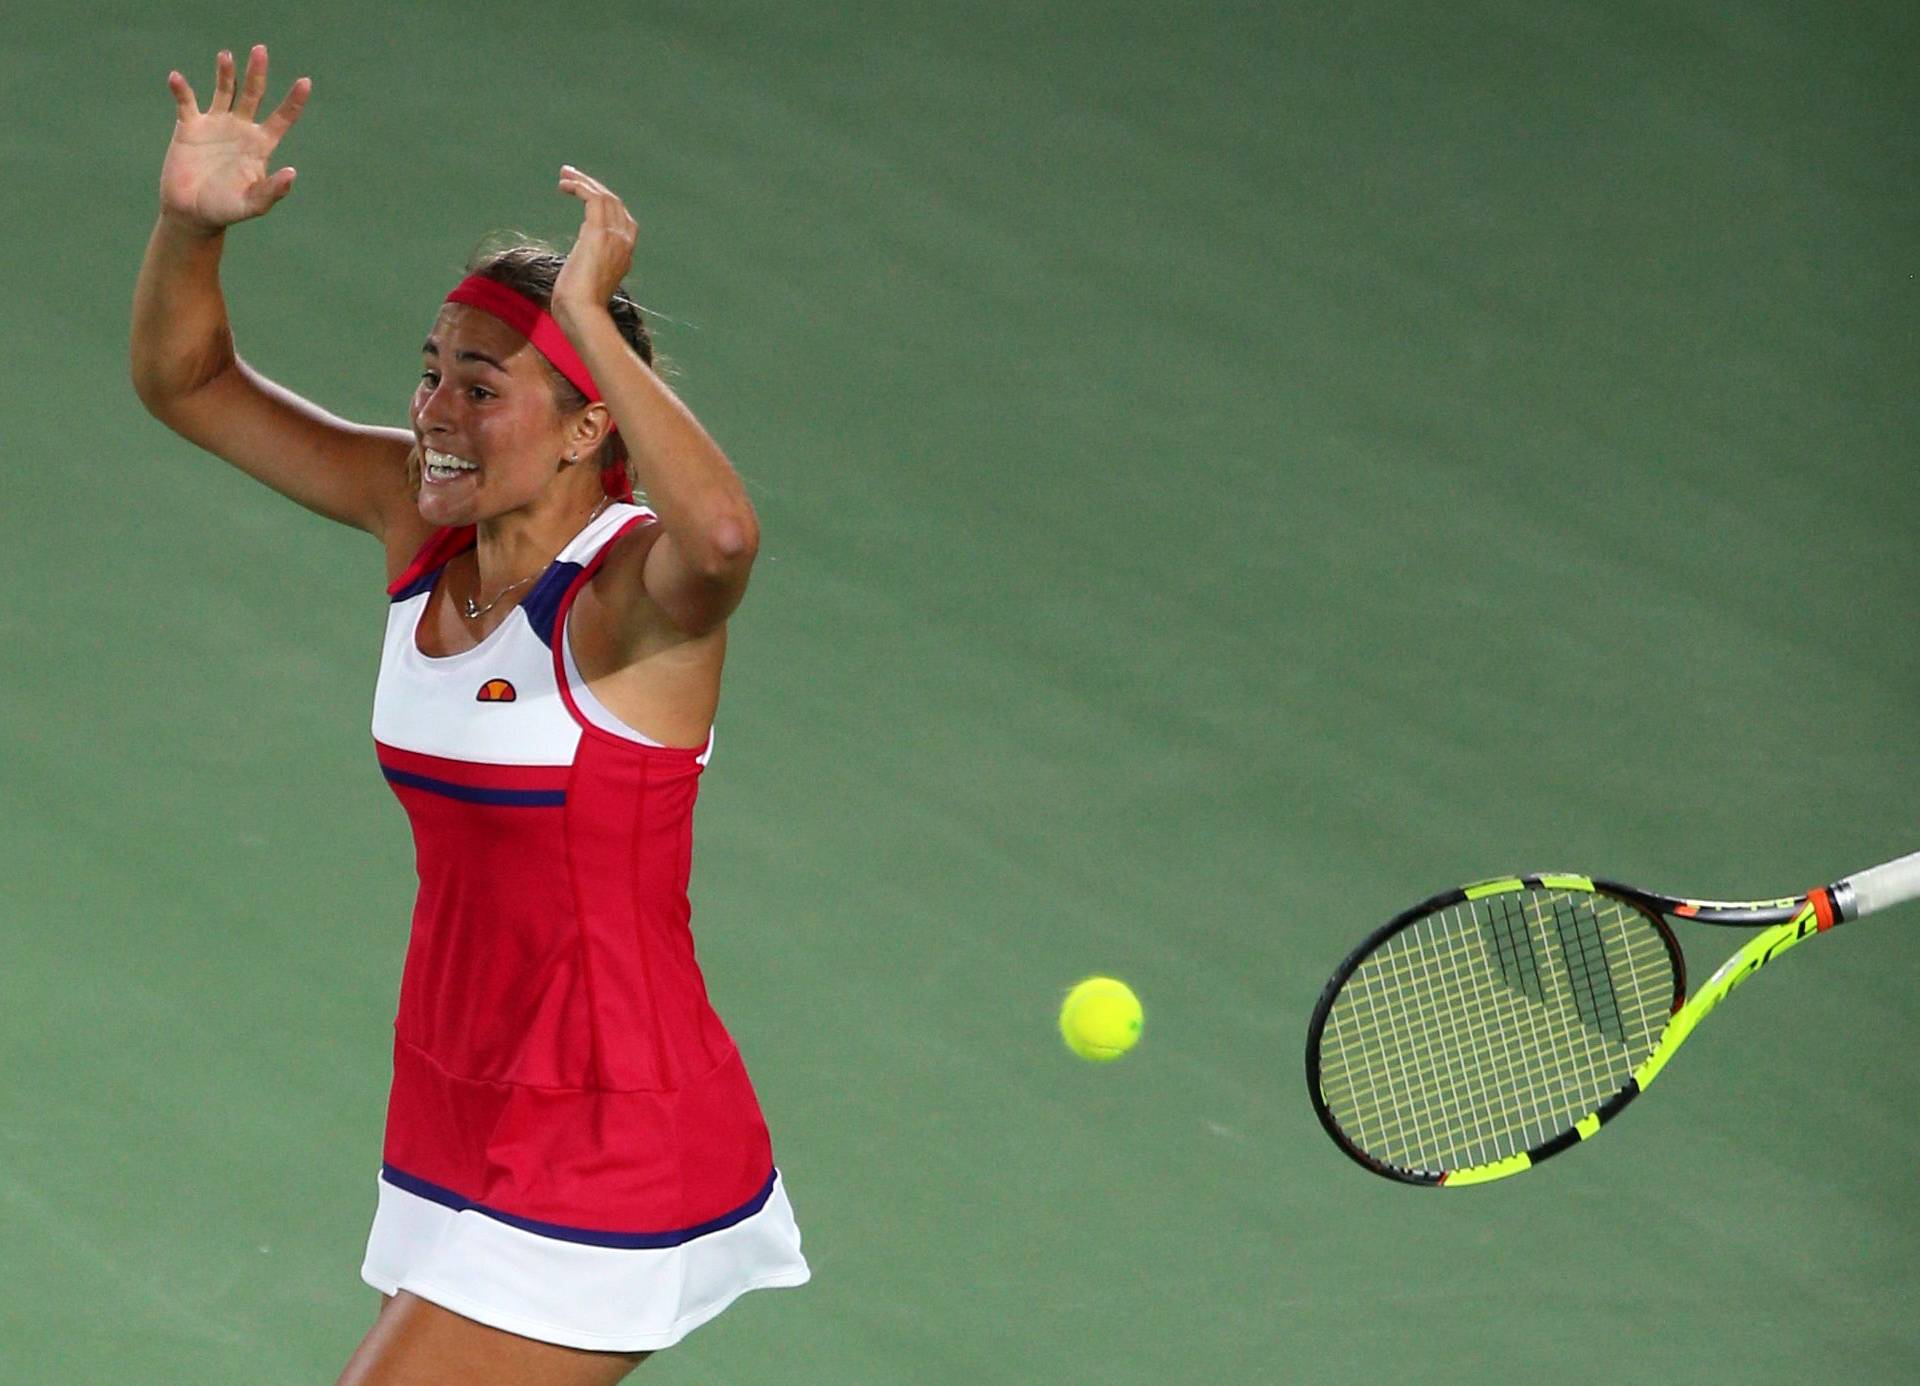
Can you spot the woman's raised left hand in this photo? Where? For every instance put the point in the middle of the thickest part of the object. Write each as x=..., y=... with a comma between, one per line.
x=602, y=253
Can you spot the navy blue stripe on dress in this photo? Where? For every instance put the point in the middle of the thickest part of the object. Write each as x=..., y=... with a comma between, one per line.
x=542, y=604
x=477, y=794
x=622, y=1241
x=420, y=584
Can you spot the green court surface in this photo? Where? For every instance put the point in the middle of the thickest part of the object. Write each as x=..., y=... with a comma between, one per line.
x=1227, y=472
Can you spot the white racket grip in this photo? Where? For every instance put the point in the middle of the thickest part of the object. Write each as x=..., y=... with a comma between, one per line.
x=1881, y=887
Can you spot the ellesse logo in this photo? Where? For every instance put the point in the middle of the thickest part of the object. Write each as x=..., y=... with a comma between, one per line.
x=495, y=691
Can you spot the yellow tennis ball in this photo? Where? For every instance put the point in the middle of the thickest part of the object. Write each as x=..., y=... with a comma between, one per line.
x=1101, y=1019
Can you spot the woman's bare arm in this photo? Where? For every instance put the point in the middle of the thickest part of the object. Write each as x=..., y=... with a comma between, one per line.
x=696, y=571
x=184, y=366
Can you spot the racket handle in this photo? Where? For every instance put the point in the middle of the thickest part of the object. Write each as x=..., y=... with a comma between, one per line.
x=1880, y=887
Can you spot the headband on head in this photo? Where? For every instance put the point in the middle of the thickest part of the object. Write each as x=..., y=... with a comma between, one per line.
x=533, y=322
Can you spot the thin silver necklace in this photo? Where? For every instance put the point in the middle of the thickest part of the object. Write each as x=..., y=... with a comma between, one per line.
x=475, y=611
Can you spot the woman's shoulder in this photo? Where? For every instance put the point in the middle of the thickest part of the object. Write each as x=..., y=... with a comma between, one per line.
x=434, y=549
x=630, y=529
x=415, y=547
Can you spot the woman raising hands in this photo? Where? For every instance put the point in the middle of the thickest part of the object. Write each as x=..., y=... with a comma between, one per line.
x=184, y=366
x=575, y=1169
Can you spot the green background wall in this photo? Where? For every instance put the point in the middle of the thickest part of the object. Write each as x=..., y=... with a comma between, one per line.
x=1227, y=471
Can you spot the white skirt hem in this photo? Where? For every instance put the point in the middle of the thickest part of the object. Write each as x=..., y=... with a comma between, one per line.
x=600, y=1299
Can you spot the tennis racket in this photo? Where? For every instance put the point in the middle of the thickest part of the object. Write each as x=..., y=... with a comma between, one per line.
x=1491, y=1027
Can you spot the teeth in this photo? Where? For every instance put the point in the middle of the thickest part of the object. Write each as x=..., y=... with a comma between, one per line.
x=444, y=466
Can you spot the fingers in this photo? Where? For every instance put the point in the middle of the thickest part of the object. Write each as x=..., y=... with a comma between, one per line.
x=185, y=104
x=603, y=251
x=288, y=110
x=245, y=101
x=583, y=186
x=255, y=85
x=222, y=84
x=264, y=194
x=604, y=210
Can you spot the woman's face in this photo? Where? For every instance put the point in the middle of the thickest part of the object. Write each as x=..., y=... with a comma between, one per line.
x=490, y=434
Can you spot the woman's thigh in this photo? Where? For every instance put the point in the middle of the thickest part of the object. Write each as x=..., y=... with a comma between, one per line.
x=417, y=1343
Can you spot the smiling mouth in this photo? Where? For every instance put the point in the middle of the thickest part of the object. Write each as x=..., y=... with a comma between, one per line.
x=444, y=466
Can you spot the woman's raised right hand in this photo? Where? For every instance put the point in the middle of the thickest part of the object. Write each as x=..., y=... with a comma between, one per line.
x=216, y=168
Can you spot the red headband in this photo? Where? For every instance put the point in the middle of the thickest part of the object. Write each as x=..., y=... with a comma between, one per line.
x=531, y=321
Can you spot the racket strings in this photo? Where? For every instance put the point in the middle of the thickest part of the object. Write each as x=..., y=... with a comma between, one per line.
x=1429, y=1083
x=1491, y=1026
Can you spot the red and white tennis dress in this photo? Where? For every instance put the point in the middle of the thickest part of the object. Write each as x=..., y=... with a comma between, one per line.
x=573, y=1150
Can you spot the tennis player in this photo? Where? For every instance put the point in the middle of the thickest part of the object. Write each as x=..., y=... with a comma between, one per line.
x=576, y=1171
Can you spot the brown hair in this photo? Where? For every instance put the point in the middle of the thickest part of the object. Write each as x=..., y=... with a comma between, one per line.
x=530, y=267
